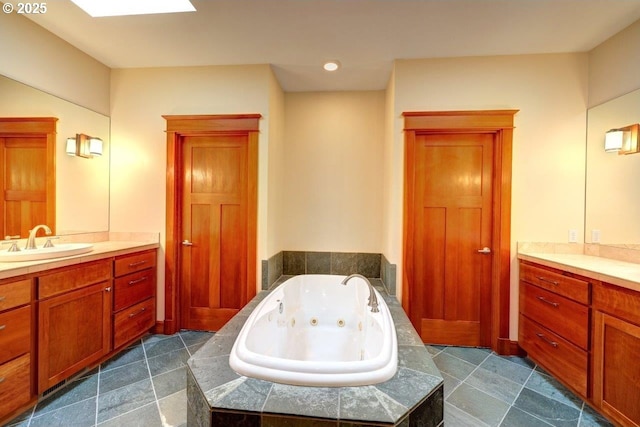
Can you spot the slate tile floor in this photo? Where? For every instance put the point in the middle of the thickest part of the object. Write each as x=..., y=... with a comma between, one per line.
x=145, y=386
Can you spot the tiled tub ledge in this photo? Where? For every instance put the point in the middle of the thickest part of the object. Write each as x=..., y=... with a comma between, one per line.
x=217, y=396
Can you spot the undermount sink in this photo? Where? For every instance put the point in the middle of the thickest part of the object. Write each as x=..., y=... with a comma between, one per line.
x=57, y=251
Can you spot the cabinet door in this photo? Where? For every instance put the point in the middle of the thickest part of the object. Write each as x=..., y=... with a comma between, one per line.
x=616, y=369
x=74, y=332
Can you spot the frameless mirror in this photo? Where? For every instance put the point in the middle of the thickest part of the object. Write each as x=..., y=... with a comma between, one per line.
x=82, y=184
x=612, y=207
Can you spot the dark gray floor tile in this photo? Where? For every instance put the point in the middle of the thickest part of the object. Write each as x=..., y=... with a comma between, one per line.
x=168, y=361
x=132, y=354
x=472, y=355
x=550, y=387
x=76, y=391
x=162, y=345
x=195, y=337
x=450, y=383
x=146, y=416
x=432, y=349
x=123, y=376
x=511, y=371
x=174, y=409
x=125, y=399
x=517, y=418
x=79, y=414
x=456, y=417
x=453, y=366
x=494, y=385
x=478, y=404
x=21, y=420
x=170, y=382
x=524, y=361
x=591, y=418
x=549, y=410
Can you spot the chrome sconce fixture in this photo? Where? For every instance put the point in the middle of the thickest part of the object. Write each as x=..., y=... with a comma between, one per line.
x=623, y=140
x=84, y=146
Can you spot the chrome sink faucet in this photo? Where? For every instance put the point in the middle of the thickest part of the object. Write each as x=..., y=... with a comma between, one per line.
x=31, y=240
x=373, y=299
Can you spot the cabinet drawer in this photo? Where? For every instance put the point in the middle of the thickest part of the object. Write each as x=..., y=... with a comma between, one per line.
x=15, y=333
x=570, y=287
x=133, y=322
x=618, y=301
x=131, y=263
x=15, y=384
x=74, y=277
x=133, y=288
x=15, y=294
x=563, y=316
x=555, y=354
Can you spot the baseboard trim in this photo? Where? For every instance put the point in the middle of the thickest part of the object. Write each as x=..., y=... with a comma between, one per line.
x=158, y=327
x=507, y=347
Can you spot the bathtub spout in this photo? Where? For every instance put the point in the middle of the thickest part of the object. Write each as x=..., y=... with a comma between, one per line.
x=373, y=299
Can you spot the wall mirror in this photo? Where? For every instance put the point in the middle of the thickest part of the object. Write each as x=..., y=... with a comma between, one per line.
x=612, y=207
x=82, y=184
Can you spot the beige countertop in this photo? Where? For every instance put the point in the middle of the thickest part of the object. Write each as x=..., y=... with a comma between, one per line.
x=620, y=273
x=101, y=250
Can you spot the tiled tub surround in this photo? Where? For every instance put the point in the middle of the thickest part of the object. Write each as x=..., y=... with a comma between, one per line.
x=291, y=263
x=216, y=395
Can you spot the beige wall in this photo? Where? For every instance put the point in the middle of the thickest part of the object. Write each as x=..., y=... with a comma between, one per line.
x=275, y=203
x=333, y=171
x=32, y=55
x=614, y=65
x=549, y=140
x=139, y=98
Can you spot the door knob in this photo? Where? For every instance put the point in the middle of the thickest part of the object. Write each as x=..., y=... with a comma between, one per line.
x=186, y=243
x=484, y=250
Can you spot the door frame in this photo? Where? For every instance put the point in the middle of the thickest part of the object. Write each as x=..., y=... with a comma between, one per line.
x=178, y=127
x=500, y=124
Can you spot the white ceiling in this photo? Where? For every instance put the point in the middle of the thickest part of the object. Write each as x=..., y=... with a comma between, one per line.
x=297, y=36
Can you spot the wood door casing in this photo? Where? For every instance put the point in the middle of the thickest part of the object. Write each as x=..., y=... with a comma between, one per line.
x=452, y=214
x=500, y=124
x=215, y=187
x=27, y=174
x=179, y=127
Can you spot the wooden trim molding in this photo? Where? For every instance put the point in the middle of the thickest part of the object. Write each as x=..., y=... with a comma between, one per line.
x=499, y=123
x=178, y=127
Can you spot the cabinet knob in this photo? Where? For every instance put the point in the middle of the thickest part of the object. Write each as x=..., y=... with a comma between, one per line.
x=107, y=289
x=485, y=250
x=186, y=243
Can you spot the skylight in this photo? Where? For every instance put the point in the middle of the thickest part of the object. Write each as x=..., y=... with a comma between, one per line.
x=100, y=8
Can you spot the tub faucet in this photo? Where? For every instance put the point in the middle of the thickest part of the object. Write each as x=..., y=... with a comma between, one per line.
x=31, y=241
x=373, y=299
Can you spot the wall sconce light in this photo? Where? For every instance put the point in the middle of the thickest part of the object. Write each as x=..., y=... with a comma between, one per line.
x=623, y=140
x=84, y=146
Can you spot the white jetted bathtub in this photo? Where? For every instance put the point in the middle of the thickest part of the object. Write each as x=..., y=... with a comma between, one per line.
x=314, y=331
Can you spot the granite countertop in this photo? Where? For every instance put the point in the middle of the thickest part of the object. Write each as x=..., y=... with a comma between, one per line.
x=101, y=250
x=619, y=273
x=417, y=377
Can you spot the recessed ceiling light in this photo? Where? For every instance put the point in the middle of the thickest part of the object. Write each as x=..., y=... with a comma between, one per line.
x=331, y=65
x=100, y=8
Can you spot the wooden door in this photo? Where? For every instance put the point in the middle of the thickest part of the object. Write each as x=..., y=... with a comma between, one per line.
x=24, y=178
x=214, y=213
x=451, y=302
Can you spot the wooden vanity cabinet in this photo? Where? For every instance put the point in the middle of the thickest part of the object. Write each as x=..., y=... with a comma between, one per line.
x=16, y=345
x=554, y=323
x=134, y=296
x=74, y=320
x=616, y=347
